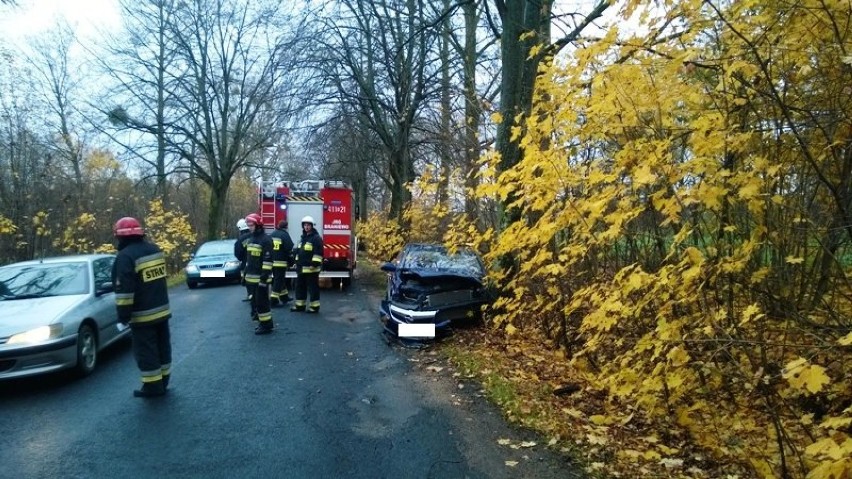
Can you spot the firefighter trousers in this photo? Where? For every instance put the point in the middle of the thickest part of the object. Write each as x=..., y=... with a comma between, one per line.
x=152, y=349
x=260, y=304
x=247, y=285
x=307, y=284
x=279, y=292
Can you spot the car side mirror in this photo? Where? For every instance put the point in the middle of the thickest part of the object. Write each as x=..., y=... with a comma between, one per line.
x=104, y=288
x=388, y=267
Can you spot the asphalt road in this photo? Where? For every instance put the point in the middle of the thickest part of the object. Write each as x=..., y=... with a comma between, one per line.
x=324, y=396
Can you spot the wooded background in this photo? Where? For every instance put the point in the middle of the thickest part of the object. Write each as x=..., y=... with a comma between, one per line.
x=663, y=190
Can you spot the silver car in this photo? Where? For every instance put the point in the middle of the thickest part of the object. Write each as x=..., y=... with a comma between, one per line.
x=57, y=313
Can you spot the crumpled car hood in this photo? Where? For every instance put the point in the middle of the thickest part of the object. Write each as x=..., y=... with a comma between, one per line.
x=437, y=277
x=436, y=287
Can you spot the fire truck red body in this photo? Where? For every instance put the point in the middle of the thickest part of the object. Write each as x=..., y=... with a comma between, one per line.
x=331, y=206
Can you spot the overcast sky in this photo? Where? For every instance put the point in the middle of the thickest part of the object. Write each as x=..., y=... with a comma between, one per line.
x=31, y=17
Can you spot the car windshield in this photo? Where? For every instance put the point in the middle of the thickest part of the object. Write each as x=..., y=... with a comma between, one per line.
x=215, y=248
x=42, y=280
x=463, y=262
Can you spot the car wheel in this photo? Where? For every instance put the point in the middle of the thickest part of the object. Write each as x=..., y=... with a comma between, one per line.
x=347, y=282
x=191, y=284
x=335, y=283
x=87, y=350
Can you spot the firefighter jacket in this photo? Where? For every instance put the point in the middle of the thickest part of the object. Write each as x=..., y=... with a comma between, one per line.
x=282, y=249
x=258, y=257
x=240, y=248
x=309, y=253
x=139, y=276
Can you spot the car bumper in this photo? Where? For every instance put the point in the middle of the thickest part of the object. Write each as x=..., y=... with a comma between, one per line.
x=392, y=314
x=21, y=361
x=212, y=276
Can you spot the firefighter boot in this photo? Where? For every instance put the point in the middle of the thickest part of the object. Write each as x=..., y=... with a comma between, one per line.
x=265, y=327
x=150, y=390
x=298, y=306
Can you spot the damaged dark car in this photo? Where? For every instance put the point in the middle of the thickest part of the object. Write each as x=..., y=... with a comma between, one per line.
x=430, y=290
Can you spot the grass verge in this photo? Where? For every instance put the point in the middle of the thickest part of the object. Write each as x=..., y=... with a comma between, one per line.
x=176, y=279
x=370, y=276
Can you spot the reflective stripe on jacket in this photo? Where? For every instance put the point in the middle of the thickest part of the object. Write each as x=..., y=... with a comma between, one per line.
x=258, y=257
x=141, y=290
x=282, y=248
x=309, y=253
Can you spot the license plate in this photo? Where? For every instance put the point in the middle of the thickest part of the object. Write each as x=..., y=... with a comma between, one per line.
x=213, y=274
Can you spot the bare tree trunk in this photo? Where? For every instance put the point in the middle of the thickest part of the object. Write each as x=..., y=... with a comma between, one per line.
x=472, y=108
x=520, y=70
x=445, y=137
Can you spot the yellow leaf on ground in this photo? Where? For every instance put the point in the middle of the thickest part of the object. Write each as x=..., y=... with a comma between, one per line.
x=511, y=463
x=599, y=419
x=815, y=378
x=803, y=375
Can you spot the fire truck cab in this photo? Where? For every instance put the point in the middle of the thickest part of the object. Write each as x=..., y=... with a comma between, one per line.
x=330, y=204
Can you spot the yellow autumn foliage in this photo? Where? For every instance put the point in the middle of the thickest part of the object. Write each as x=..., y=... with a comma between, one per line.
x=79, y=236
x=172, y=231
x=685, y=229
x=426, y=221
x=7, y=226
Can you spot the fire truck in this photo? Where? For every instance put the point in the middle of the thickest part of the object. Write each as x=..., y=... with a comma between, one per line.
x=330, y=204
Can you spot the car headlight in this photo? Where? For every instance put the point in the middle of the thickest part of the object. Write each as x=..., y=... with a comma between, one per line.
x=191, y=269
x=36, y=335
x=232, y=264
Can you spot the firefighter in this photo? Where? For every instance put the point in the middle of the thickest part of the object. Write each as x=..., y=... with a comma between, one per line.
x=142, y=301
x=240, y=253
x=282, y=249
x=308, y=266
x=258, y=270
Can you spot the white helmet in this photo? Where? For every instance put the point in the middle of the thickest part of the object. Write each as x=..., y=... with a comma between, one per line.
x=242, y=225
x=309, y=219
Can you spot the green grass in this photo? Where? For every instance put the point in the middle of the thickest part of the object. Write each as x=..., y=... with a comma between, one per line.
x=176, y=279
x=369, y=275
x=497, y=388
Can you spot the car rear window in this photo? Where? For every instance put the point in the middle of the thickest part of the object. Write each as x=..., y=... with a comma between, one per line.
x=41, y=280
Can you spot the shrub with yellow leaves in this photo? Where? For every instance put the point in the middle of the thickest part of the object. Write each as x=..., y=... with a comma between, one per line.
x=172, y=232
x=7, y=227
x=684, y=233
x=79, y=236
x=380, y=236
